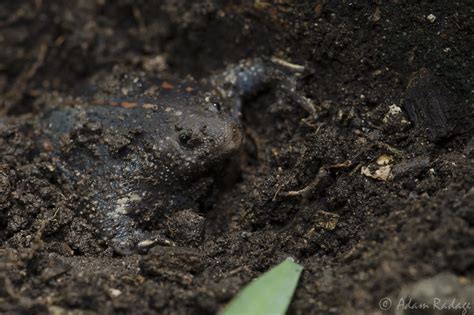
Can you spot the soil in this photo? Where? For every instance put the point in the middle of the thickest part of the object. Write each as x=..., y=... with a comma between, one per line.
x=370, y=191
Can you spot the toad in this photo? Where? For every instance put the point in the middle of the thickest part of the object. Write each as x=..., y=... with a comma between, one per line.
x=140, y=148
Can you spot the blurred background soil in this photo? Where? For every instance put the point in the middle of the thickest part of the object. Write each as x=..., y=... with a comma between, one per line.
x=372, y=192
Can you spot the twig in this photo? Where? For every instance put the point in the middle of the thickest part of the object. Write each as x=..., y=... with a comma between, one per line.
x=305, y=192
x=287, y=64
x=322, y=173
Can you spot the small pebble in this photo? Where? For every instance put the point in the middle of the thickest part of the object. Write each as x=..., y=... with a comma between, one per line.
x=431, y=18
x=114, y=292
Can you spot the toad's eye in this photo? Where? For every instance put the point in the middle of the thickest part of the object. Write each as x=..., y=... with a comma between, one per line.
x=215, y=107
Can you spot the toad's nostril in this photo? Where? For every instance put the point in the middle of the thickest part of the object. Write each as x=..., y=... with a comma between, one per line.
x=185, y=137
x=189, y=140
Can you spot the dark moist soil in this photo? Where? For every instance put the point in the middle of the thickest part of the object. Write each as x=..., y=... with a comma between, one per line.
x=370, y=191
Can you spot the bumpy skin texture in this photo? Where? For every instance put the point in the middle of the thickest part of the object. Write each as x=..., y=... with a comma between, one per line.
x=141, y=149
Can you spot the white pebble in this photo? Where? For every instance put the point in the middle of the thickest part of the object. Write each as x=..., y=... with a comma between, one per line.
x=431, y=18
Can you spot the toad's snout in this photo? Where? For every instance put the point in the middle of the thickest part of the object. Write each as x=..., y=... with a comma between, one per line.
x=218, y=138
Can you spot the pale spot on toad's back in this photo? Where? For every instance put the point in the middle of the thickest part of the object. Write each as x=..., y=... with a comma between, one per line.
x=124, y=202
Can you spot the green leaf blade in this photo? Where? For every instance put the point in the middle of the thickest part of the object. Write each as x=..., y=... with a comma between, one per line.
x=269, y=294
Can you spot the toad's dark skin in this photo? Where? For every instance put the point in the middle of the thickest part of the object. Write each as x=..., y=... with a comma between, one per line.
x=141, y=149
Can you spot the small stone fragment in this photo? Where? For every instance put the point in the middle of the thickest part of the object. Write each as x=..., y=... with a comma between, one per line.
x=114, y=292
x=431, y=18
x=393, y=110
x=382, y=173
x=384, y=159
x=395, y=120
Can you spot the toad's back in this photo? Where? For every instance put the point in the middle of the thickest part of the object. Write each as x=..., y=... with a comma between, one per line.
x=141, y=156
